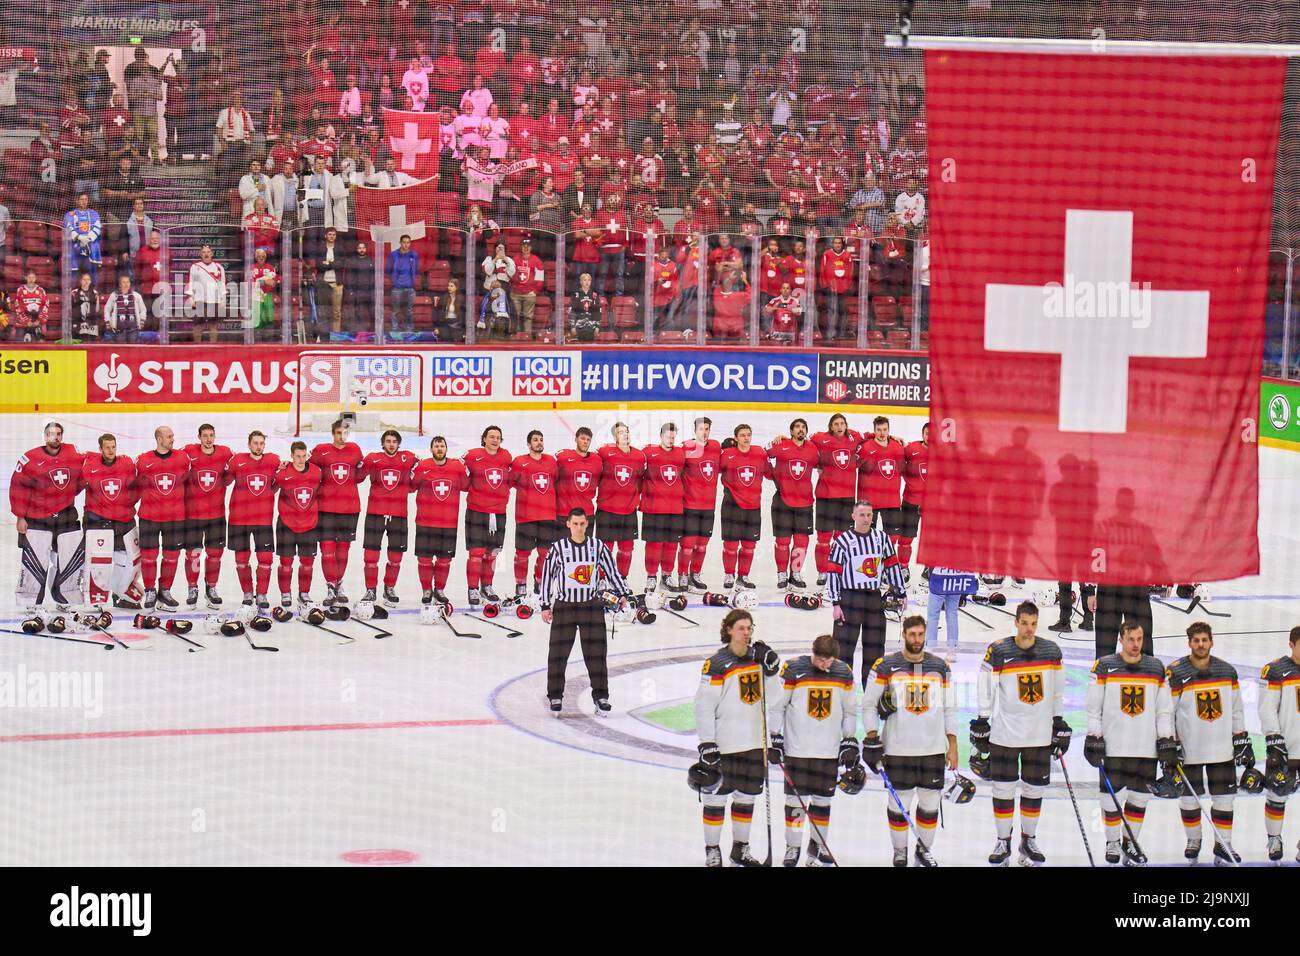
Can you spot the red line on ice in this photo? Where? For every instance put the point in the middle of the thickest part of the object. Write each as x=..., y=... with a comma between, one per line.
x=267, y=729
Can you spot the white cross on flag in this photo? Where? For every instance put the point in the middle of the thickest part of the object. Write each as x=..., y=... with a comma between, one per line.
x=410, y=137
x=1101, y=264
x=389, y=214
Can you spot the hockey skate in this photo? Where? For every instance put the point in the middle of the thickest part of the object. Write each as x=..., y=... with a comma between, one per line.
x=602, y=706
x=192, y=596
x=782, y=580
x=1132, y=855
x=1225, y=855
x=329, y=595
x=1192, y=852
x=1275, y=850
x=743, y=582
x=390, y=597
x=924, y=858
x=521, y=590
x=286, y=599
x=475, y=597
x=1112, y=852
x=821, y=580
x=263, y=605
x=440, y=598
x=666, y=582
x=339, y=596
x=1030, y=855
x=150, y=599
x=900, y=856
x=817, y=855
x=712, y=856
x=490, y=595
x=694, y=583
x=729, y=582
x=166, y=600
x=797, y=582
x=369, y=597
x=556, y=704
x=740, y=855
x=1001, y=852
x=1061, y=627
x=791, y=856
x=213, y=598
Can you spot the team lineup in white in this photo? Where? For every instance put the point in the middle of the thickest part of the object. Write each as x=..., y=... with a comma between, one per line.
x=1176, y=731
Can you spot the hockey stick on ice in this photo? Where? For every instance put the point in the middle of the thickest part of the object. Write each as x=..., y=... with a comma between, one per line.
x=1182, y=774
x=1114, y=798
x=767, y=780
x=821, y=837
x=1077, y=815
x=60, y=637
x=510, y=631
x=1192, y=605
x=921, y=849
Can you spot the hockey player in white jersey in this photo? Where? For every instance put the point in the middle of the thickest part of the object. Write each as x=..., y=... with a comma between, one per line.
x=813, y=721
x=736, y=684
x=1279, y=722
x=1021, y=688
x=1211, y=725
x=1130, y=726
x=911, y=693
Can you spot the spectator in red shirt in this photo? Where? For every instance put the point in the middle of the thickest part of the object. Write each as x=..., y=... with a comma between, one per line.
x=723, y=260
x=613, y=245
x=835, y=276
x=665, y=287
x=529, y=280
x=452, y=77
x=731, y=306
x=586, y=249
x=525, y=71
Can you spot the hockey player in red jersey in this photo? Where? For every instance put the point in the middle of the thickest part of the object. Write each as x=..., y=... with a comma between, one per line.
x=916, y=462
x=485, y=513
x=837, y=477
x=205, y=514
x=880, y=478
x=620, y=495
x=252, y=510
x=742, y=465
x=295, y=531
x=790, y=463
x=42, y=490
x=389, y=472
x=160, y=478
x=700, y=484
x=109, y=480
x=663, y=499
x=580, y=472
x=534, y=477
x=340, y=506
x=438, y=482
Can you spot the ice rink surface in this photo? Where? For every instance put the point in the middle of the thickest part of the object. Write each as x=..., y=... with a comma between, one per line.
x=427, y=748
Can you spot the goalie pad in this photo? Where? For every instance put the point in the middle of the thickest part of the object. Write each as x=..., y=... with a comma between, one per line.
x=100, y=566
x=34, y=567
x=70, y=568
x=132, y=584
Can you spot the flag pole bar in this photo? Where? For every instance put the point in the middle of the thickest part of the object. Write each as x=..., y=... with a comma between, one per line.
x=1100, y=45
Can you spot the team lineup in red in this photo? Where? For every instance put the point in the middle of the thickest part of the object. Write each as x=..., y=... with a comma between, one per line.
x=311, y=501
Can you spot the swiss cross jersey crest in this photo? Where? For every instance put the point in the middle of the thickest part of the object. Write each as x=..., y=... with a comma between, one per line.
x=164, y=483
x=668, y=473
x=797, y=468
x=494, y=477
x=341, y=474
x=582, y=480
x=542, y=482
x=110, y=487
x=622, y=474
x=441, y=489
x=256, y=484
x=303, y=497
x=707, y=470
x=886, y=466
x=842, y=457
x=389, y=477
x=746, y=476
x=60, y=477
x=207, y=480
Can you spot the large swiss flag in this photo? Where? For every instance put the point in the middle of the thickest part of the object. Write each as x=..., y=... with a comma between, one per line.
x=413, y=139
x=1100, y=228
x=389, y=214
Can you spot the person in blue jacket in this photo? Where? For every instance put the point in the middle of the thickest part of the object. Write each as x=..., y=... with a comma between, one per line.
x=82, y=229
x=403, y=267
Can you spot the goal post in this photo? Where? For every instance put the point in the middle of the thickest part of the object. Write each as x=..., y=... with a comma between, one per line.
x=372, y=389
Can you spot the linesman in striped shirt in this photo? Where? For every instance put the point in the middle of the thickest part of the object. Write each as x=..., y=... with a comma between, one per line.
x=571, y=604
x=862, y=561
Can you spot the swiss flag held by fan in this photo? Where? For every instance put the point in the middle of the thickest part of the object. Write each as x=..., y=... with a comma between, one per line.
x=1100, y=228
x=389, y=214
x=413, y=140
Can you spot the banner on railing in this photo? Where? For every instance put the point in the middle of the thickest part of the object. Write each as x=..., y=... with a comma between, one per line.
x=863, y=379
x=1279, y=410
x=699, y=376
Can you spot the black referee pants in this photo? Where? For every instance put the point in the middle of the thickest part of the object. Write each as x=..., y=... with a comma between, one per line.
x=586, y=621
x=864, y=613
x=1116, y=605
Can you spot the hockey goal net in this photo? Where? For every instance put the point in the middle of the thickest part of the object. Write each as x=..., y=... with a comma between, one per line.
x=371, y=390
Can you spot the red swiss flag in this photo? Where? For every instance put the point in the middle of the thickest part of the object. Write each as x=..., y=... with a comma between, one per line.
x=1100, y=228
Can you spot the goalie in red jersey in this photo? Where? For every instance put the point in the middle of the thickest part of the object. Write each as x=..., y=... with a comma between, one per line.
x=205, y=514
x=299, y=482
x=252, y=510
x=41, y=494
x=109, y=480
x=438, y=482
x=389, y=472
x=340, y=506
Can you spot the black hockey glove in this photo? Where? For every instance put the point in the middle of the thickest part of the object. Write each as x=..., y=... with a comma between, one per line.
x=979, y=734
x=1167, y=752
x=1275, y=755
x=710, y=756
x=886, y=706
x=1061, y=734
x=767, y=658
x=1243, y=751
x=873, y=751
x=850, y=753
x=776, y=749
x=1094, y=750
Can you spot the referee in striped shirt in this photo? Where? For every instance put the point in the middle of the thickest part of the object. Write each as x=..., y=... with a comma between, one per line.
x=862, y=561
x=571, y=604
